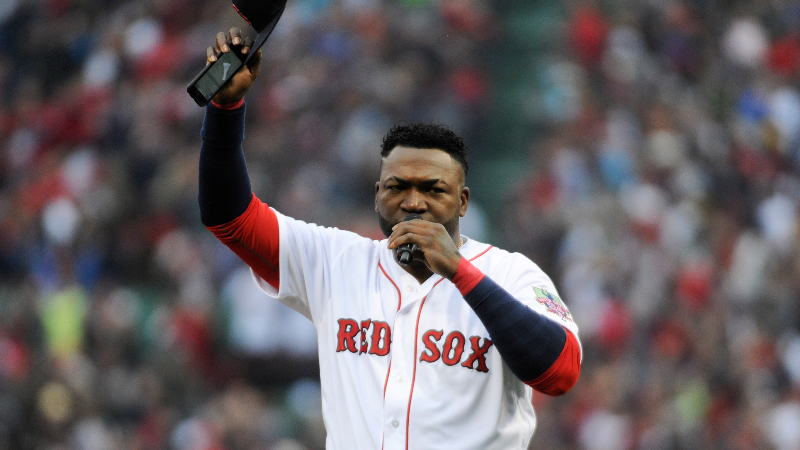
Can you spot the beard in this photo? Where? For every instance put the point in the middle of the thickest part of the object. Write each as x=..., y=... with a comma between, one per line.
x=451, y=225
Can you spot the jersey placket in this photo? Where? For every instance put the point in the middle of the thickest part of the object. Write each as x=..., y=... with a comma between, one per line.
x=398, y=386
x=400, y=382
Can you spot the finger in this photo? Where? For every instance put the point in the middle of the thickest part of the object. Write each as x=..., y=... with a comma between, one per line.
x=402, y=229
x=254, y=65
x=396, y=241
x=236, y=36
x=412, y=222
x=222, y=42
x=407, y=238
x=211, y=55
x=248, y=43
x=419, y=227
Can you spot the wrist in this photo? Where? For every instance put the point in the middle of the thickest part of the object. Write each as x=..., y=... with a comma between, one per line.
x=467, y=276
x=228, y=105
x=223, y=128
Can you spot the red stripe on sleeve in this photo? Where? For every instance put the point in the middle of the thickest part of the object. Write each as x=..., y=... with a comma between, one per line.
x=467, y=276
x=564, y=372
x=255, y=238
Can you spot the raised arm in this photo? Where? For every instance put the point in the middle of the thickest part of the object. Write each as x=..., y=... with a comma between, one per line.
x=227, y=205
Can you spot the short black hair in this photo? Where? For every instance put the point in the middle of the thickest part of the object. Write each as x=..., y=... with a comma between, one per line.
x=426, y=135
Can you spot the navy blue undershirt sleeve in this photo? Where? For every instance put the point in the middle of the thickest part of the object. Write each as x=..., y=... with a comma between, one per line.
x=224, y=191
x=528, y=341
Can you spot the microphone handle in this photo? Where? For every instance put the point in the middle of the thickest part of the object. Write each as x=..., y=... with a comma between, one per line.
x=406, y=254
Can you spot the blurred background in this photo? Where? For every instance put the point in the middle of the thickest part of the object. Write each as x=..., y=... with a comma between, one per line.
x=646, y=154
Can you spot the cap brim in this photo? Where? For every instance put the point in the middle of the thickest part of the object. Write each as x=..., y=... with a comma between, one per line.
x=259, y=13
x=262, y=36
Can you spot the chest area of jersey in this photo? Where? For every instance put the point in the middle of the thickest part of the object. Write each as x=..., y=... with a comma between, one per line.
x=408, y=324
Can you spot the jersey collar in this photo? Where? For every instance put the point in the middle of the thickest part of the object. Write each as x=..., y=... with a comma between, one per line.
x=472, y=248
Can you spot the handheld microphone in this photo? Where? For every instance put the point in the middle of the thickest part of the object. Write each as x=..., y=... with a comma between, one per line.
x=405, y=252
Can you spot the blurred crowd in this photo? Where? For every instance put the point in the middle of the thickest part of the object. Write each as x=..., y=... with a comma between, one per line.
x=661, y=193
x=124, y=324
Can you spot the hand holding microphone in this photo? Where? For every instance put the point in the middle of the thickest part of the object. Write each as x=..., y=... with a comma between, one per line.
x=405, y=252
x=427, y=242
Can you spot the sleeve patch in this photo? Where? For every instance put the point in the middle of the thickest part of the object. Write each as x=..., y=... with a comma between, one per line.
x=552, y=303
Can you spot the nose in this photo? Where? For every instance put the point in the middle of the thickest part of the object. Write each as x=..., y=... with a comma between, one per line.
x=414, y=202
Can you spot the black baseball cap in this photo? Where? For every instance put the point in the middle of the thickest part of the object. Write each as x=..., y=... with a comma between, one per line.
x=262, y=15
x=259, y=13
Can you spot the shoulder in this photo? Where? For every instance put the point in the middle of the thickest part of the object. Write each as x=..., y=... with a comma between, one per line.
x=512, y=270
x=498, y=260
x=301, y=232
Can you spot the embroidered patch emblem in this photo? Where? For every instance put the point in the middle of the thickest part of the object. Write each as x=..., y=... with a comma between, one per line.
x=552, y=303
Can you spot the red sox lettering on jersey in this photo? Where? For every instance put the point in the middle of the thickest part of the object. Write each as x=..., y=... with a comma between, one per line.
x=408, y=365
x=453, y=348
x=379, y=340
x=351, y=331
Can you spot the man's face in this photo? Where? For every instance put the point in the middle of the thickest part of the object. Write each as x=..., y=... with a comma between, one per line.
x=423, y=181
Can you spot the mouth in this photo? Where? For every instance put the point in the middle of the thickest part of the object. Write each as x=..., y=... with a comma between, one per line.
x=386, y=225
x=412, y=216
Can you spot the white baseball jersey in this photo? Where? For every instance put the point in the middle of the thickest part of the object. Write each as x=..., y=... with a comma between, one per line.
x=405, y=365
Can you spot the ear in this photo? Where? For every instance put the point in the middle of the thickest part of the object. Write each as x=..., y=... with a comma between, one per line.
x=377, y=189
x=464, y=201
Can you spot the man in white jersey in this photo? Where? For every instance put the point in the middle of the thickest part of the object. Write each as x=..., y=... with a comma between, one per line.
x=442, y=352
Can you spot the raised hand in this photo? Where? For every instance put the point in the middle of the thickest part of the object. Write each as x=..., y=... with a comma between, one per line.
x=236, y=88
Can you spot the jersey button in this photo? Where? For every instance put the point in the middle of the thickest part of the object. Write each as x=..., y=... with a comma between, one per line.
x=409, y=288
x=400, y=378
x=395, y=424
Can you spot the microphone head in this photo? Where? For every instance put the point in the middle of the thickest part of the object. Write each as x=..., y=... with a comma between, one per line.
x=411, y=216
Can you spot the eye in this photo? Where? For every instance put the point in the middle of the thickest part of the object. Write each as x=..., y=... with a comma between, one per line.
x=436, y=190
